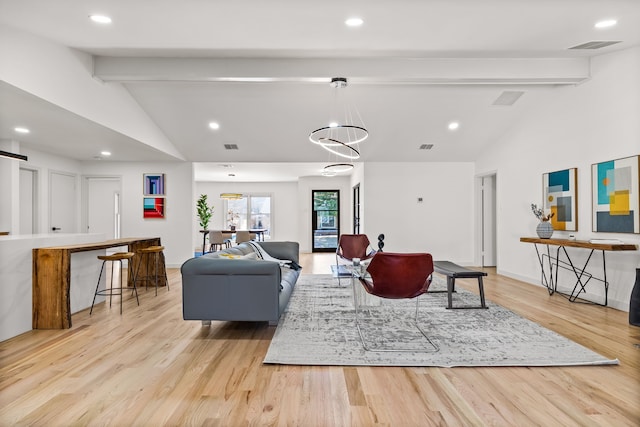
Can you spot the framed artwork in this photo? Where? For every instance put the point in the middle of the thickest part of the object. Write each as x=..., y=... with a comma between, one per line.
x=560, y=192
x=153, y=184
x=615, y=185
x=153, y=207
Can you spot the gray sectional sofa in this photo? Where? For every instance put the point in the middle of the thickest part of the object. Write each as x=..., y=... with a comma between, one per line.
x=235, y=284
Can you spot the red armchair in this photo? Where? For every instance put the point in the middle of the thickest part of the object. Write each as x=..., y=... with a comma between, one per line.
x=396, y=276
x=353, y=246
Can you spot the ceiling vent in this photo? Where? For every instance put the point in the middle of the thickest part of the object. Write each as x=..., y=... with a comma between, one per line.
x=230, y=146
x=508, y=97
x=594, y=45
x=426, y=146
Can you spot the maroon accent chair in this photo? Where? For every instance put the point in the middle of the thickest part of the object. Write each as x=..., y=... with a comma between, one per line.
x=353, y=246
x=396, y=276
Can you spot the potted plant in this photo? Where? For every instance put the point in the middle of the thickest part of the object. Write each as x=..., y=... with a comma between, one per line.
x=204, y=212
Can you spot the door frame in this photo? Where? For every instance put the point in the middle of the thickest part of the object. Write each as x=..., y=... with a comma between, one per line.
x=314, y=221
x=480, y=218
x=86, y=179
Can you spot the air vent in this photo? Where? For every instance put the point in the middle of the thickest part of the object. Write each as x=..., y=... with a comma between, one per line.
x=508, y=97
x=230, y=146
x=426, y=146
x=594, y=45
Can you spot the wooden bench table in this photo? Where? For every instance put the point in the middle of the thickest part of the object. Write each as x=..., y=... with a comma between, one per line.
x=454, y=271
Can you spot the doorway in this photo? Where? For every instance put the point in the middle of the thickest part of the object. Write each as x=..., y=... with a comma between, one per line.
x=28, y=198
x=103, y=206
x=486, y=249
x=356, y=209
x=325, y=220
x=62, y=203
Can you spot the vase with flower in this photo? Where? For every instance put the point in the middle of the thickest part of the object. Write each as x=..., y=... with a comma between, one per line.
x=544, y=228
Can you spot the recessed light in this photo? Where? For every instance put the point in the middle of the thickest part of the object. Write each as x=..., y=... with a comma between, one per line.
x=453, y=125
x=214, y=125
x=354, y=22
x=100, y=19
x=21, y=130
x=333, y=125
x=105, y=153
x=606, y=23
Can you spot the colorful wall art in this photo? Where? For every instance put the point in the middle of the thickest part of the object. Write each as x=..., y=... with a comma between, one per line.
x=615, y=187
x=560, y=198
x=153, y=184
x=153, y=207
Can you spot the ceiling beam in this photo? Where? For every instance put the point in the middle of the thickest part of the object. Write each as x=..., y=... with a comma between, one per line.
x=427, y=71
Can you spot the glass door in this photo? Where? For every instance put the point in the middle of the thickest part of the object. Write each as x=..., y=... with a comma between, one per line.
x=325, y=220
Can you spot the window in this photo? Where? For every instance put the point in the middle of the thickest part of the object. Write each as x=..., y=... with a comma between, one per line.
x=253, y=211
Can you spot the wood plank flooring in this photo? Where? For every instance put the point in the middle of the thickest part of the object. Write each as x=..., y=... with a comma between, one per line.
x=149, y=367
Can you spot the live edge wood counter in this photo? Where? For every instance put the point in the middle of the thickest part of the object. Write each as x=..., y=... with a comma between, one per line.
x=52, y=278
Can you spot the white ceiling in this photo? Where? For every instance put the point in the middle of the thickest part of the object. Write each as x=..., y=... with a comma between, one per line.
x=413, y=67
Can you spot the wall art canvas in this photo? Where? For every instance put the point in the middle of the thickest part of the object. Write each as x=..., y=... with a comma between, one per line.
x=615, y=188
x=153, y=184
x=153, y=207
x=560, y=198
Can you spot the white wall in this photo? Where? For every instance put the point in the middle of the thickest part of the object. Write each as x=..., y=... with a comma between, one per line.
x=441, y=225
x=175, y=229
x=570, y=127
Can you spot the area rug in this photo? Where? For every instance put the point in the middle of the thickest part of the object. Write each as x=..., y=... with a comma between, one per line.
x=318, y=328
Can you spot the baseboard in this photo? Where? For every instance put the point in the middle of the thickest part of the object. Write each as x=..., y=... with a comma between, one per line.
x=612, y=303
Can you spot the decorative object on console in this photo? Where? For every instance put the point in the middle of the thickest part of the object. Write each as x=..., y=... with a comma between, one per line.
x=560, y=198
x=634, y=303
x=380, y=242
x=615, y=198
x=544, y=228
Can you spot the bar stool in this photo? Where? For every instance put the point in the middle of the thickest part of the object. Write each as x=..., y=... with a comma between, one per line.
x=111, y=291
x=156, y=252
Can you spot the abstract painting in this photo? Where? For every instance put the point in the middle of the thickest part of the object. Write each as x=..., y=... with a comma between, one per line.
x=153, y=184
x=560, y=198
x=153, y=207
x=615, y=185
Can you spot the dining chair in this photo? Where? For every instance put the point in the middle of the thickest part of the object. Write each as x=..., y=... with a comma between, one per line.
x=395, y=276
x=216, y=240
x=242, y=236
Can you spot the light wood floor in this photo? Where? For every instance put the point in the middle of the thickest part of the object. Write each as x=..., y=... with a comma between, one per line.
x=149, y=367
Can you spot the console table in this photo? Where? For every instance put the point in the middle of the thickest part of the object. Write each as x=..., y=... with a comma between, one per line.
x=549, y=261
x=52, y=278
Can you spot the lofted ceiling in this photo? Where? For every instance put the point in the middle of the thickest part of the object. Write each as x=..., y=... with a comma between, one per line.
x=261, y=70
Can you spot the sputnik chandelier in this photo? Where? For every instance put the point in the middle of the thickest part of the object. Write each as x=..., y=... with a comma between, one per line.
x=342, y=135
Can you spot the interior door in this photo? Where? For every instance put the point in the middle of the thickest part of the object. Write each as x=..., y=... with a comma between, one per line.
x=62, y=202
x=325, y=220
x=489, y=221
x=103, y=206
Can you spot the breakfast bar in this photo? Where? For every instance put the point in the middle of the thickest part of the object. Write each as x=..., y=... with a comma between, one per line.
x=52, y=278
